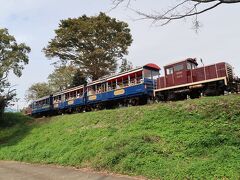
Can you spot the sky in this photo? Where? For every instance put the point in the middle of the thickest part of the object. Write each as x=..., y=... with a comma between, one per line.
x=33, y=22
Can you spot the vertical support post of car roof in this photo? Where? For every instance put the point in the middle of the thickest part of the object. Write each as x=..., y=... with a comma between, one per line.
x=143, y=74
x=205, y=75
x=153, y=83
x=63, y=98
x=216, y=70
x=204, y=70
x=129, y=80
x=135, y=78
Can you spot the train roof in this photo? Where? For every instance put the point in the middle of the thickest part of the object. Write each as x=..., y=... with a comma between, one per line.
x=152, y=66
x=137, y=69
x=68, y=90
x=42, y=98
x=192, y=60
x=110, y=77
x=73, y=89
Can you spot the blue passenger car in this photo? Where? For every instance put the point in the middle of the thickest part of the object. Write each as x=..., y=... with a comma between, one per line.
x=131, y=85
x=42, y=106
x=69, y=99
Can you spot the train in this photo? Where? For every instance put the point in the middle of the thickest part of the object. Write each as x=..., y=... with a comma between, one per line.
x=181, y=80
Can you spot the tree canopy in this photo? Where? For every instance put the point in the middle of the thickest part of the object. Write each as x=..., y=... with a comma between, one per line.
x=62, y=77
x=94, y=44
x=38, y=90
x=126, y=65
x=78, y=79
x=13, y=58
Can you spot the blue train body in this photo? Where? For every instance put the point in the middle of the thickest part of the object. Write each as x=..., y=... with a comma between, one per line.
x=132, y=85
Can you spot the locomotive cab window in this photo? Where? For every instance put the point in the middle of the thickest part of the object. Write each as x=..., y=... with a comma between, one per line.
x=178, y=67
x=169, y=71
x=150, y=74
x=147, y=74
x=191, y=66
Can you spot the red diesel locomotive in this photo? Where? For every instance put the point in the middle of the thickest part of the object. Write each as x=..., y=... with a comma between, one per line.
x=185, y=79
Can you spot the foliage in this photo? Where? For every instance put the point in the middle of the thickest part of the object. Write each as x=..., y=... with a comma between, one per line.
x=13, y=57
x=38, y=90
x=62, y=77
x=193, y=139
x=78, y=79
x=125, y=65
x=94, y=44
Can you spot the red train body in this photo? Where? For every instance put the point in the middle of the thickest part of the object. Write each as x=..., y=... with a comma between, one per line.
x=184, y=78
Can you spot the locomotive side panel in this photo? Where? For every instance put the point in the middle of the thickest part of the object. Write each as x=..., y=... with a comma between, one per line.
x=192, y=81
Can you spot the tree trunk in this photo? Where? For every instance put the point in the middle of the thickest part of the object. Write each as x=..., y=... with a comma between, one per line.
x=2, y=108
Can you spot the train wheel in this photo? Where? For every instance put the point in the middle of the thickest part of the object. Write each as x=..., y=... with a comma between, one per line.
x=195, y=95
x=171, y=97
x=145, y=100
x=134, y=102
x=160, y=98
x=79, y=109
x=88, y=108
x=100, y=107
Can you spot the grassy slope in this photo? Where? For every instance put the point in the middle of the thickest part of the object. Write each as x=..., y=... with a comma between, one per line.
x=193, y=138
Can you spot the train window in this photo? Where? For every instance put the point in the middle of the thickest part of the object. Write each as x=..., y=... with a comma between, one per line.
x=133, y=81
x=194, y=66
x=179, y=67
x=99, y=88
x=189, y=66
x=169, y=71
x=155, y=74
x=147, y=74
x=91, y=91
x=125, y=82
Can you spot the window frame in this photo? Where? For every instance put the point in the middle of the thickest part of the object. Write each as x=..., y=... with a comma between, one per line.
x=178, y=67
x=169, y=71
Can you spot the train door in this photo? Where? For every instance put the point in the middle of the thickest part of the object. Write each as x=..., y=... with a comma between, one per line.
x=169, y=76
x=180, y=73
x=190, y=67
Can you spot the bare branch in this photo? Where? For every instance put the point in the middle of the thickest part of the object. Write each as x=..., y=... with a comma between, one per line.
x=194, y=9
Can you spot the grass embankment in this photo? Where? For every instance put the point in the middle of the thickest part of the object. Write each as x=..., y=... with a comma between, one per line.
x=194, y=138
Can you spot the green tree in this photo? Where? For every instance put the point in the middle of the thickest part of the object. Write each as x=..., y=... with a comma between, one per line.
x=13, y=57
x=62, y=77
x=78, y=79
x=38, y=90
x=125, y=65
x=94, y=44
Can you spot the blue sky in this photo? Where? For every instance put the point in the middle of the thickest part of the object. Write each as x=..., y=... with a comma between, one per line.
x=33, y=22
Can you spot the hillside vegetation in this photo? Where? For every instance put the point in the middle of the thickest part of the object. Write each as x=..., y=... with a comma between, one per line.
x=188, y=139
